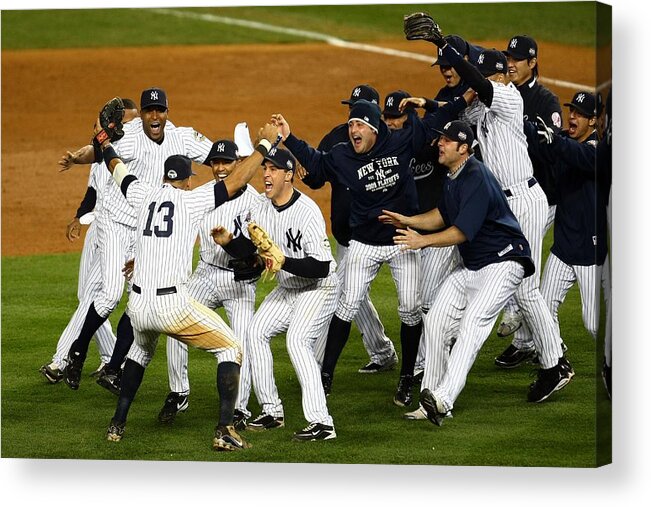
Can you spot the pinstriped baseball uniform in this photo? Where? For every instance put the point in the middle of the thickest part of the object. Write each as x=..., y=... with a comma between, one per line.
x=212, y=285
x=301, y=307
x=89, y=279
x=167, y=225
x=503, y=144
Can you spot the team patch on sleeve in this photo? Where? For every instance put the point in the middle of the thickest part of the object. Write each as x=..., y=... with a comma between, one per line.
x=556, y=119
x=198, y=136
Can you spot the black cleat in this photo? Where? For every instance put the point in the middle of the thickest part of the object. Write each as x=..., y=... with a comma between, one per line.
x=174, y=404
x=403, y=397
x=433, y=408
x=513, y=357
x=550, y=380
x=265, y=422
x=315, y=431
x=72, y=371
x=239, y=420
x=52, y=373
x=110, y=380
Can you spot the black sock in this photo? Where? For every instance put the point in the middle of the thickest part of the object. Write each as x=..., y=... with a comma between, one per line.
x=122, y=344
x=92, y=323
x=228, y=383
x=409, y=341
x=338, y=333
x=131, y=380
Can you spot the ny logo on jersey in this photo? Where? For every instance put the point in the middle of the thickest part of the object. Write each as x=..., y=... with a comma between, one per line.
x=389, y=101
x=221, y=147
x=356, y=92
x=154, y=95
x=580, y=98
x=237, y=226
x=294, y=240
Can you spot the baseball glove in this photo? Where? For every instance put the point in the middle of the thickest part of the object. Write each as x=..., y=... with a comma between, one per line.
x=270, y=252
x=110, y=119
x=421, y=26
x=247, y=269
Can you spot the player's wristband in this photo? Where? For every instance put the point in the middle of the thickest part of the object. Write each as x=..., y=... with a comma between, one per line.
x=109, y=154
x=263, y=147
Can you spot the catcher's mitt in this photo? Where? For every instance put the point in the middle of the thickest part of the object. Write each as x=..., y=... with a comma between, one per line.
x=247, y=269
x=421, y=26
x=268, y=250
x=110, y=119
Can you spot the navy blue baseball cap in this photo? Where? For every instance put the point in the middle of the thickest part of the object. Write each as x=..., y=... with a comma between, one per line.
x=492, y=61
x=584, y=102
x=224, y=149
x=458, y=131
x=178, y=167
x=153, y=97
x=366, y=112
x=392, y=102
x=522, y=47
x=457, y=43
x=281, y=158
x=363, y=92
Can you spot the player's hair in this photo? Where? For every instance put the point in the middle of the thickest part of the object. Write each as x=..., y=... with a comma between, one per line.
x=129, y=104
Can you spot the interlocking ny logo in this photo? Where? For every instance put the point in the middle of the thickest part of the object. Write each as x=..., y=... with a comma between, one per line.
x=294, y=240
x=389, y=101
x=237, y=226
x=513, y=43
x=480, y=59
x=580, y=97
x=221, y=147
x=154, y=95
x=356, y=92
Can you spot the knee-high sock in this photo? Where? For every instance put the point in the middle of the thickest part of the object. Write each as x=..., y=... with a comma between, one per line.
x=409, y=340
x=92, y=323
x=131, y=380
x=122, y=344
x=338, y=333
x=228, y=381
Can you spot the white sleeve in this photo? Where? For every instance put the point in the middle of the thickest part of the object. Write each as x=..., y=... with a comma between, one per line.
x=136, y=192
x=507, y=102
x=197, y=146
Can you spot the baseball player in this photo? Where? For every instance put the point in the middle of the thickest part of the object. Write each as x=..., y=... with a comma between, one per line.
x=381, y=351
x=168, y=219
x=522, y=62
x=374, y=165
x=301, y=304
x=214, y=283
x=144, y=151
x=580, y=245
x=89, y=272
x=474, y=215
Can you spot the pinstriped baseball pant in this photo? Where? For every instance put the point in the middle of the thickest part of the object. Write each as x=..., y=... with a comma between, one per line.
x=213, y=287
x=87, y=289
x=305, y=315
x=559, y=277
x=466, y=307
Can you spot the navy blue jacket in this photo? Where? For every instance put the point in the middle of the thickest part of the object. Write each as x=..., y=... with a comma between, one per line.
x=474, y=202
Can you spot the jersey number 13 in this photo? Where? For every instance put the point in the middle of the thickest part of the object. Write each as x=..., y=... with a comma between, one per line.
x=165, y=231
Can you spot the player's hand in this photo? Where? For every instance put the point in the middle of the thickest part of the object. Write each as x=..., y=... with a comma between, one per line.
x=396, y=219
x=411, y=102
x=469, y=96
x=73, y=231
x=67, y=161
x=300, y=171
x=221, y=236
x=283, y=127
x=409, y=239
x=127, y=270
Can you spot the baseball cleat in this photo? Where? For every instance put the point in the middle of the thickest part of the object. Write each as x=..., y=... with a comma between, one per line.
x=115, y=431
x=110, y=380
x=227, y=439
x=265, y=422
x=511, y=322
x=403, y=396
x=418, y=375
x=72, y=372
x=434, y=409
x=315, y=431
x=100, y=369
x=550, y=380
x=420, y=415
x=373, y=367
x=513, y=357
x=52, y=372
x=174, y=403
x=239, y=420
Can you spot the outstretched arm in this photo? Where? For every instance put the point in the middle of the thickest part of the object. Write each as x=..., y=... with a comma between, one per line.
x=431, y=220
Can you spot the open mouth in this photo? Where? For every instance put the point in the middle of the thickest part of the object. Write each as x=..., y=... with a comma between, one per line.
x=155, y=127
x=268, y=186
x=357, y=141
x=572, y=128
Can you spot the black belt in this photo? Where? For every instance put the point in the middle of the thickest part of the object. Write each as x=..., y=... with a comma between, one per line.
x=531, y=182
x=159, y=292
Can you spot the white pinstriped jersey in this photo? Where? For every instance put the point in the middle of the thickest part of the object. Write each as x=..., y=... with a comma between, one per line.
x=231, y=214
x=168, y=223
x=299, y=230
x=500, y=133
x=98, y=178
x=145, y=159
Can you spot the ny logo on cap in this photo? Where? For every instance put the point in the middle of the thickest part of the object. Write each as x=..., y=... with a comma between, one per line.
x=356, y=92
x=154, y=95
x=272, y=152
x=389, y=101
x=580, y=97
x=513, y=43
x=171, y=173
x=447, y=125
x=221, y=147
x=480, y=60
